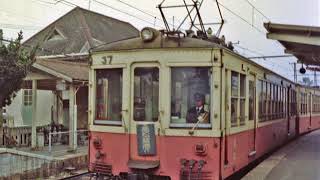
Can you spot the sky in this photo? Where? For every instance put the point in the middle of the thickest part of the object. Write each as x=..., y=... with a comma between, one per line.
x=244, y=20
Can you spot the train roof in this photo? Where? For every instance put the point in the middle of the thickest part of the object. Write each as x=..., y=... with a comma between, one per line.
x=160, y=41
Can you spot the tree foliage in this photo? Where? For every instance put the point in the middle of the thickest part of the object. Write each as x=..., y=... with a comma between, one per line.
x=15, y=61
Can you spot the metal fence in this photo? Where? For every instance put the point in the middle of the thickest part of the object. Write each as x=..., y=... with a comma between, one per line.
x=60, y=139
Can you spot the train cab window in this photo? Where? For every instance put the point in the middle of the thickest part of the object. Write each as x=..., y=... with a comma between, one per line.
x=146, y=94
x=190, y=96
x=108, y=96
x=238, y=99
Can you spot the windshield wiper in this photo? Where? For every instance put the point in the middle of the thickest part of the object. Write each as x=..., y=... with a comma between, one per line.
x=201, y=118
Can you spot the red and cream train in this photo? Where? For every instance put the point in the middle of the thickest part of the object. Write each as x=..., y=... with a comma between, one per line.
x=144, y=90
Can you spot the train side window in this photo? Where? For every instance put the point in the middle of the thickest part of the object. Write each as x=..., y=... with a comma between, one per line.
x=146, y=94
x=108, y=96
x=242, y=98
x=267, y=111
x=251, y=100
x=261, y=99
x=190, y=95
x=234, y=98
x=238, y=99
x=302, y=103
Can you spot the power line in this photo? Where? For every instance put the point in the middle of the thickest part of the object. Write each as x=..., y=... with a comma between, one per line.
x=106, y=5
x=247, y=49
x=257, y=10
x=111, y=7
x=237, y=15
x=19, y=26
x=56, y=2
x=25, y=45
x=70, y=4
x=143, y=11
x=140, y=10
x=271, y=56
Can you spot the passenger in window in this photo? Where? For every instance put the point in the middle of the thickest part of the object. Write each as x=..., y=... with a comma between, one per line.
x=198, y=112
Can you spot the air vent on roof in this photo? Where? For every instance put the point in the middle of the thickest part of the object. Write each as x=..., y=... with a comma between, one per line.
x=55, y=35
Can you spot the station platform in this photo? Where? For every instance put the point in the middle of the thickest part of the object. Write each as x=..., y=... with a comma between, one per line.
x=300, y=159
x=24, y=163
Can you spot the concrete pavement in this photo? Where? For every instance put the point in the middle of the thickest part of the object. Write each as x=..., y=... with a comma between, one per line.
x=299, y=160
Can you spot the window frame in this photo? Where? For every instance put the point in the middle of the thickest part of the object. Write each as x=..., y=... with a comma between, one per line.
x=239, y=98
x=27, y=97
x=144, y=65
x=191, y=125
x=99, y=122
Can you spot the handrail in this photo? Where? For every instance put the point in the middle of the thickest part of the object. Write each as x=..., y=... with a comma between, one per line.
x=61, y=132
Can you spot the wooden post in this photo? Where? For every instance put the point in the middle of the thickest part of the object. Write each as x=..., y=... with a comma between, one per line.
x=34, y=115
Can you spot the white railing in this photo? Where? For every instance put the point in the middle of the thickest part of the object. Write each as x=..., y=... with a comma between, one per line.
x=63, y=136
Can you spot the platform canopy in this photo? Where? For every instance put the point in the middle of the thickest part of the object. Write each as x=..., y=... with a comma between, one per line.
x=301, y=41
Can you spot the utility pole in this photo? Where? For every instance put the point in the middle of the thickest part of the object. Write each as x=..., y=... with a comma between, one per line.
x=315, y=79
x=295, y=72
x=89, y=4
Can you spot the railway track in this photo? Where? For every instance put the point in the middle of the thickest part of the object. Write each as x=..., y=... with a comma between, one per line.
x=85, y=175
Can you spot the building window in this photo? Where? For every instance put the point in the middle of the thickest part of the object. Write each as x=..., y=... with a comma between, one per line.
x=238, y=99
x=108, y=96
x=27, y=97
x=146, y=94
x=190, y=95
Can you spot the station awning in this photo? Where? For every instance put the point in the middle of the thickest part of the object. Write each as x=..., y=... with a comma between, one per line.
x=49, y=71
x=301, y=41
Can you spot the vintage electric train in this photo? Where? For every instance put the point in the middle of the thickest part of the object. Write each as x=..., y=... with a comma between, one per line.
x=170, y=106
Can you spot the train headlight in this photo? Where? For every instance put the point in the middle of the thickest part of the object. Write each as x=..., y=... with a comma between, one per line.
x=147, y=34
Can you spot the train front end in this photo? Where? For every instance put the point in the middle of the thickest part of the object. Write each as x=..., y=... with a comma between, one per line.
x=154, y=108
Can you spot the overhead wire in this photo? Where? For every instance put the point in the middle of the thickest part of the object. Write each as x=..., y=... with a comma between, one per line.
x=144, y=11
x=247, y=49
x=140, y=10
x=26, y=45
x=260, y=12
x=111, y=7
x=19, y=26
x=251, y=25
x=129, y=14
x=237, y=15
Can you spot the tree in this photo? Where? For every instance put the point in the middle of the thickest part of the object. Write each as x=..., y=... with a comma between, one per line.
x=14, y=64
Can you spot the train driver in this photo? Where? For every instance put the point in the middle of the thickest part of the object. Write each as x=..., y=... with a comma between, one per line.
x=198, y=112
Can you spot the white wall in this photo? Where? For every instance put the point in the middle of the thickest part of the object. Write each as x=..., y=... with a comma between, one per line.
x=14, y=109
x=45, y=100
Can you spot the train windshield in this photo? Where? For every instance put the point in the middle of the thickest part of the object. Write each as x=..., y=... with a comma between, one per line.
x=108, y=96
x=146, y=94
x=190, y=95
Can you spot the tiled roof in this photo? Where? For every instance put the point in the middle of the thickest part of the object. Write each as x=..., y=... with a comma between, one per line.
x=79, y=30
x=72, y=70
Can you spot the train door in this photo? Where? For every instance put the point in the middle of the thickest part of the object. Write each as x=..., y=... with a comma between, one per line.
x=144, y=122
x=252, y=114
x=309, y=110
